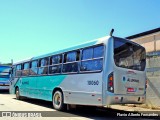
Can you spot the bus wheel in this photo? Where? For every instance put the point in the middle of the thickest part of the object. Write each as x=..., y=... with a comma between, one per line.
x=18, y=97
x=57, y=100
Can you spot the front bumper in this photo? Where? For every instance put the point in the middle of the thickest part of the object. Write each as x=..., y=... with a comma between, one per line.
x=4, y=87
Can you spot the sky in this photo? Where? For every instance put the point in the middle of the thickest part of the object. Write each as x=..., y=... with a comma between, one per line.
x=31, y=28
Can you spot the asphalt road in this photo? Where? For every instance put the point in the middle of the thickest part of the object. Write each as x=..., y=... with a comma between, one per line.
x=24, y=109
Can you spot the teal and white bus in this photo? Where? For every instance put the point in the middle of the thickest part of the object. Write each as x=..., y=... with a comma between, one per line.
x=4, y=77
x=108, y=70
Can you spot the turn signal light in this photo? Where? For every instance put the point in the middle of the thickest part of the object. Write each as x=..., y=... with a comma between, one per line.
x=111, y=78
x=111, y=82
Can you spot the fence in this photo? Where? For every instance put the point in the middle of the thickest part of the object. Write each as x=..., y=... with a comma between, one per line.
x=153, y=74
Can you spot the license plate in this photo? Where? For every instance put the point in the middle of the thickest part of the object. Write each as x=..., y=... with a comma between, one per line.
x=131, y=89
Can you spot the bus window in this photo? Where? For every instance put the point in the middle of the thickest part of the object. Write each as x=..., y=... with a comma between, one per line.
x=25, y=71
x=26, y=66
x=43, y=62
x=70, y=67
x=92, y=59
x=98, y=52
x=55, y=59
x=71, y=56
x=43, y=69
x=55, y=69
x=18, y=70
x=33, y=69
x=55, y=62
x=87, y=53
x=92, y=65
x=34, y=64
x=71, y=64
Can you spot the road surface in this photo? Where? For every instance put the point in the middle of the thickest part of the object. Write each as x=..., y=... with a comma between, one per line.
x=24, y=108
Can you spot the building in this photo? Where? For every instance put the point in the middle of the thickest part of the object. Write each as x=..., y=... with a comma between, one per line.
x=151, y=41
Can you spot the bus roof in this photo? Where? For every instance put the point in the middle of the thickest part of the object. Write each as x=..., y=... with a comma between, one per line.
x=26, y=60
x=7, y=66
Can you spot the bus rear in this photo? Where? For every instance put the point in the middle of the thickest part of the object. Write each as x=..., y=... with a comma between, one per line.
x=126, y=82
x=4, y=77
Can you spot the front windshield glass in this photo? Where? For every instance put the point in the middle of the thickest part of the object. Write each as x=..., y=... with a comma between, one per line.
x=4, y=72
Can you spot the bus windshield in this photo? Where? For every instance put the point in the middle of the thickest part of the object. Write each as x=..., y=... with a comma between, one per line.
x=4, y=71
x=129, y=55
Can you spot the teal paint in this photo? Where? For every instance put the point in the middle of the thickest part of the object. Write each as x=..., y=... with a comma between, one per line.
x=40, y=87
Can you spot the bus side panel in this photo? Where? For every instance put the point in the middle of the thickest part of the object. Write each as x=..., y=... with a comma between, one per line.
x=28, y=87
x=83, y=89
x=46, y=85
x=13, y=83
x=39, y=87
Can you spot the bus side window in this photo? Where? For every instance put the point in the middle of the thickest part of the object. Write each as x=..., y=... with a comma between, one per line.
x=25, y=71
x=87, y=53
x=98, y=52
x=34, y=67
x=43, y=66
x=92, y=59
x=71, y=62
x=56, y=59
x=18, y=70
x=55, y=64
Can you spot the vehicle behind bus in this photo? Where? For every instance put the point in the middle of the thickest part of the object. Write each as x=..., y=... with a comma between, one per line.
x=4, y=77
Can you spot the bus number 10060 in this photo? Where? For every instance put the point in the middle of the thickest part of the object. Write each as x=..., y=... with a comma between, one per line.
x=93, y=82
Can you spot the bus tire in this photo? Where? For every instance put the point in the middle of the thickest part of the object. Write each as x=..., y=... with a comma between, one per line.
x=18, y=97
x=58, y=101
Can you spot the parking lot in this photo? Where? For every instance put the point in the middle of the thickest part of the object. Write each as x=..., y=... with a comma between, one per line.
x=8, y=103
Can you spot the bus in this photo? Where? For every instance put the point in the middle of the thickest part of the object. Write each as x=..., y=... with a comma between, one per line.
x=4, y=77
x=105, y=71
